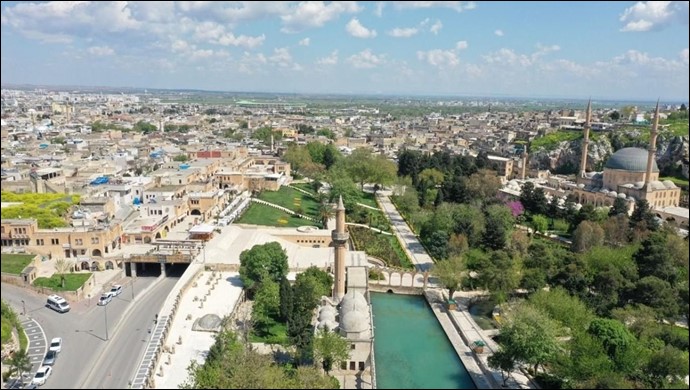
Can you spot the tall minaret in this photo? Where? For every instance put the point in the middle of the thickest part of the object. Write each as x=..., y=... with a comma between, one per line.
x=525, y=156
x=340, y=238
x=652, y=148
x=585, y=142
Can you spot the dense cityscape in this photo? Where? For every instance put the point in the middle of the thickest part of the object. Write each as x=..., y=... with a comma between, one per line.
x=206, y=236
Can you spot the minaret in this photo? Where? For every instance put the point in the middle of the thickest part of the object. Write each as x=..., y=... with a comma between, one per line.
x=340, y=238
x=652, y=148
x=272, y=143
x=525, y=156
x=585, y=142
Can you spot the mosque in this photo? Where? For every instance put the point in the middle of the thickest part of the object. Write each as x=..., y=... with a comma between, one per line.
x=630, y=173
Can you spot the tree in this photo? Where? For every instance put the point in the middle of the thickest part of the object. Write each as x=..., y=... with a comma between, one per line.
x=324, y=280
x=266, y=308
x=586, y=236
x=285, y=298
x=501, y=360
x=484, y=184
x=360, y=165
x=267, y=260
x=298, y=157
x=615, y=230
x=657, y=294
x=540, y=223
x=330, y=348
x=325, y=213
x=431, y=177
x=642, y=216
x=615, y=115
x=620, y=206
x=654, y=259
x=20, y=363
x=499, y=226
x=383, y=173
x=62, y=267
x=343, y=185
x=667, y=367
x=450, y=273
x=529, y=336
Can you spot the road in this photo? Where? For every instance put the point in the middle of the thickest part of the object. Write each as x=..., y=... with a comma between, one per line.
x=83, y=328
x=117, y=364
x=415, y=250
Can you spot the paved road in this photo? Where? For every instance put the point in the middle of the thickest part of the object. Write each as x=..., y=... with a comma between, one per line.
x=118, y=362
x=415, y=250
x=82, y=329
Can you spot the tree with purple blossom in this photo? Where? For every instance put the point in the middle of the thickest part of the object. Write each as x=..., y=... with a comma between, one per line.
x=516, y=208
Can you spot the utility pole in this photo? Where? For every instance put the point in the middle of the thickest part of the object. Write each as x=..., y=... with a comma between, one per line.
x=105, y=313
x=23, y=307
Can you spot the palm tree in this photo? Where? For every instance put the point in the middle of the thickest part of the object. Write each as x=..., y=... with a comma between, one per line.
x=325, y=213
x=20, y=363
x=62, y=266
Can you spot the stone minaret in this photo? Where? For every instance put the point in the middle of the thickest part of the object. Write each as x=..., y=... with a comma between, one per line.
x=585, y=142
x=652, y=148
x=340, y=238
x=525, y=156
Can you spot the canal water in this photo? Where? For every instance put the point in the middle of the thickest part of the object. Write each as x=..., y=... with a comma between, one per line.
x=411, y=349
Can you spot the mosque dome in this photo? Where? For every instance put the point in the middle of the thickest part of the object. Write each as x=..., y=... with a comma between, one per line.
x=630, y=159
x=354, y=300
x=622, y=195
x=354, y=322
x=669, y=184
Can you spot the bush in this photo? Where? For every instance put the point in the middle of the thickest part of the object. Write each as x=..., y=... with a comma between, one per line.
x=375, y=274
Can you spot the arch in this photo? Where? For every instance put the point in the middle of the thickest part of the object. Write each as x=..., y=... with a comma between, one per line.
x=96, y=253
x=84, y=266
x=407, y=280
x=167, y=229
x=158, y=235
x=147, y=240
x=109, y=265
x=95, y=266
x=395, y=279
x=195, y=212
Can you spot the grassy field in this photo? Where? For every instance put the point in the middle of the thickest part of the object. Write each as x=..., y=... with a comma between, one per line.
x=304, y=186
x=678, y=127
x=72, y=281
x=48, y=209
x=6, y=330
x=14, y=264
x=259, y=214
x=276, y=333
x=292, y=199
x=385, y=247
x=369, y=199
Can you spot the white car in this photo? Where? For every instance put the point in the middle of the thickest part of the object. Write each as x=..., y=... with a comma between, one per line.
x=116, y=290
x=105, y=299
x=42, y=375
x=56, y=345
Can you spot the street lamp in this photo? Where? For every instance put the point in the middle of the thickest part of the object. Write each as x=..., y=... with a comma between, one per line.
x=132, y=289
x=105, y=314
x=23, y=308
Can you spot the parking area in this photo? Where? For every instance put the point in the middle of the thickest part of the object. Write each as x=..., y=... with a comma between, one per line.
x=38, y=345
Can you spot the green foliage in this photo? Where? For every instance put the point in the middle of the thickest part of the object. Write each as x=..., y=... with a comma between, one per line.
x=667, y=367
x=326, y=133
x=324, y=280
x=379, y=245
x=19, y=363
x=562, y=307
x=540, y=223
x=530, y=336
x=259, y=214
x=286, y=300
x=586, y=236
x=292, y=199
x=266, y=308
x=263, y=134
x=450, y=273
x=181, y=158
x=499, y=225
x=47, y=209
x=550, y=141
x=331, y=349
x=503, y=361
x=263, y=261
x=72, y=282
x=99, y=127
x=144, y=127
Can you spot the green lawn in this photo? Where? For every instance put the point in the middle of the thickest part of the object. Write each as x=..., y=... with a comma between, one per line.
x=14, y=264
x=276, y=333
x=6, y=330
x=304, y=186
x=72, y=281
x=386, y=248
x=259, y=214
x=23, y=340
x=369, y=199
x=292, y=199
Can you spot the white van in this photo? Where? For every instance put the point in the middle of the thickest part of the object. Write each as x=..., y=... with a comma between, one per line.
x=57, y=303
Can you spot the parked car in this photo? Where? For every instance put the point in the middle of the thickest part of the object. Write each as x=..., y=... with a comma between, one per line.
x=116, y=290
x=42, y=375
x=49, y=360
x=56, y=345
x=105, y=299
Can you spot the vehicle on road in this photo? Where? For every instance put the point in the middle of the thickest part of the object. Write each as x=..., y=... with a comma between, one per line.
x=116, y=290
x=49, y=360
x=57, y=303
x=42, y=375
x=56, y=345
x=105, y=299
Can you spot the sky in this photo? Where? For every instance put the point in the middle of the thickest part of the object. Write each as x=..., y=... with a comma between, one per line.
x=603, y=50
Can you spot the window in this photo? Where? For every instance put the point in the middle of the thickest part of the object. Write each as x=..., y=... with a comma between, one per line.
x=352, y=346
x=194, y=201
x=95, y=240
x=78, y=241
x=361, y=366
x=39, y=241
x=55, y=241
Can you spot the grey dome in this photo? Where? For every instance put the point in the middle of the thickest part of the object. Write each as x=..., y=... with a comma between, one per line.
x=669, y=184
x=354, y=300
x=630, y=159
x=354, y=322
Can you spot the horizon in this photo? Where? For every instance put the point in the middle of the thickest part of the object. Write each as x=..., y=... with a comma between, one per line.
x=632, y=51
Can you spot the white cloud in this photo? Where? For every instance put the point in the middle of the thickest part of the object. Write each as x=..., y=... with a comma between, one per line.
x=315, y=14
x=436, y=27
x=332, y=59
x=498, y=33
x=215, y=33
x=180, y=46
x=461, y=45
x=305, y=42
x=458, y=6
x=366, y=59
x=684, y=56
x=201, y=54
x=378, y=11
x=403, y=32
x=281, y=57
x=654, y=15
x=357, y=30
x=507, y=57
x=100, y=51
x=439, y=58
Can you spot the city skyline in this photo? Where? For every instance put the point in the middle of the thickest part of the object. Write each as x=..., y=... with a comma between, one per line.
x=627, y=51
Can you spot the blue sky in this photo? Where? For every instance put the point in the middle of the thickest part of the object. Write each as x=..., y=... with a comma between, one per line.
x=617, y=50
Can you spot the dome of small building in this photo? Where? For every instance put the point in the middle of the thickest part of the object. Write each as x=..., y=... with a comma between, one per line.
x=326, y=316
x=639, y=184
x=669, y=184
x=612, y=194
x=605, y=190
x=630, y=159
x=581, y=185
x=631, y=199
x=354, y=322
x=353, y=300
x=330, y=325
x=622, y=195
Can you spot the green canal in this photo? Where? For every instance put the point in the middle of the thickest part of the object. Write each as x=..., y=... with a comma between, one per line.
x=411, y=349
